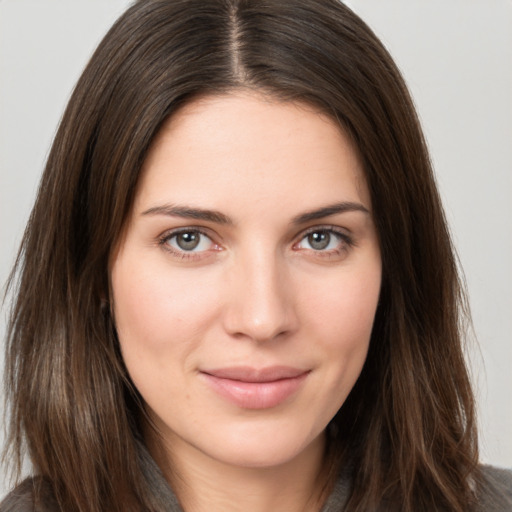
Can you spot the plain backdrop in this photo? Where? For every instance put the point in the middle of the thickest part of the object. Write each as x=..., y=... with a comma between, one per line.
x=456, y=56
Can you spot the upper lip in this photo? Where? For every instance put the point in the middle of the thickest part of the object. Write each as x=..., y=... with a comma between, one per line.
x=250, y=374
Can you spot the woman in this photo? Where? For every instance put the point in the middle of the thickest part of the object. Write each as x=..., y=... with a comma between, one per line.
x=237, y=290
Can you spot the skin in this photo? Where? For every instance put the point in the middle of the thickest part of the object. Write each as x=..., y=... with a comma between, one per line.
x=258, y=290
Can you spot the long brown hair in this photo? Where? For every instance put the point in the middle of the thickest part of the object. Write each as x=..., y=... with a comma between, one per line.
x=408, y=427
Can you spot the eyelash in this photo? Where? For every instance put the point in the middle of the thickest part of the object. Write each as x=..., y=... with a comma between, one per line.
x=163, y=241
x=346, y=241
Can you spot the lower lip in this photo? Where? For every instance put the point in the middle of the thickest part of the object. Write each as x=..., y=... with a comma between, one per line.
x=255, y=395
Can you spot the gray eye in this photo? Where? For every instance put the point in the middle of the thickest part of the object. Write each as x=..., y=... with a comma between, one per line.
x=319, y=240
x=188, y=241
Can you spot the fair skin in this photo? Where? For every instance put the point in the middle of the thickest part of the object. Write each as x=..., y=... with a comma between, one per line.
x=244, y=291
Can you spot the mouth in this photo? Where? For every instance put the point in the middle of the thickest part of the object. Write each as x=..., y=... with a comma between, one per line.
x=252, y=388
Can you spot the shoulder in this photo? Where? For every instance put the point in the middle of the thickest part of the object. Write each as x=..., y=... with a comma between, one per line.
x=32, y=495
x=496, y=490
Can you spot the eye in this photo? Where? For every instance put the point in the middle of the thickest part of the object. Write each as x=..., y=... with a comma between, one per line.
x=187, y=241
x=324, y=240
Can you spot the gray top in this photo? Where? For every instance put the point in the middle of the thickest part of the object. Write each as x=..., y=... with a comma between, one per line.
x=497, y=498
x=166, y=500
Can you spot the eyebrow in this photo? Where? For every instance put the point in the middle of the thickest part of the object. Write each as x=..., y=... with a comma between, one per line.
x=188, y=212
x=326, y=211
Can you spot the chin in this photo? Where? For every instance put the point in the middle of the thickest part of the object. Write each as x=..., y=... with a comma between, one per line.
x=263, y=448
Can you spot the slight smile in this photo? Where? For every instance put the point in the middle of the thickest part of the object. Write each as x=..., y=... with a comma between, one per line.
x=251, y=388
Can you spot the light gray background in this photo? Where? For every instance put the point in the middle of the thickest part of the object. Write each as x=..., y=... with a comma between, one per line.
x=457, y=58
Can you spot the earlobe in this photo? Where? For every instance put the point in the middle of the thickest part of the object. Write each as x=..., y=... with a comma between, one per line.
x=104, y=306
x=107, y=306
x=106, y=299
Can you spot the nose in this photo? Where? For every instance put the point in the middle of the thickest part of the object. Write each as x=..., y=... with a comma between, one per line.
x=261, y=299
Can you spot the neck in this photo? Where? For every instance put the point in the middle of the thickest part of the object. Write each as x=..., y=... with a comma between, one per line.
x=203, y=484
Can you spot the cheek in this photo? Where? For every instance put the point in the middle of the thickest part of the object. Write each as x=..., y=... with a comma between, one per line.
x=156, y=310
x=342, y=319
x=161, y=318
x=345, y=306
x=339, y=323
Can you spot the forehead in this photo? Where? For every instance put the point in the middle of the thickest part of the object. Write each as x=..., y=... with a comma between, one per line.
x=248, y=147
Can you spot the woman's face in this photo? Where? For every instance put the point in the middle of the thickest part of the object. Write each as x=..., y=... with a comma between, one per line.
x=246, y=282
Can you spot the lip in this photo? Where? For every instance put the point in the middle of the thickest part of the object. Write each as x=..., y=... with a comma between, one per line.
x=253, y=388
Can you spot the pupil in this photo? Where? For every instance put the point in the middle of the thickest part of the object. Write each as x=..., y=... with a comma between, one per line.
x=319, y=240
x=187, y=241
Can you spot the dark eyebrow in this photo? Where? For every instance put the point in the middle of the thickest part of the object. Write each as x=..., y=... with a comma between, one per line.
x=188, y=212
x=326, y=211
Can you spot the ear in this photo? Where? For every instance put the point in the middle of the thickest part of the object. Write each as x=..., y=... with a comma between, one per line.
x=104, y=305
